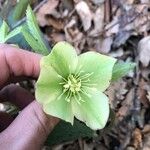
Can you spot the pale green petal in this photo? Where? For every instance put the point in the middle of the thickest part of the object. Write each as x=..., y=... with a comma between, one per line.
x=94, y=111
x=60, y=108
x=47, y=86
x=63, y=58
x=100, y=65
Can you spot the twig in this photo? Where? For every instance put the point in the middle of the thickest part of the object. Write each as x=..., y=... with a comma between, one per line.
x=107, y=11
x=34, y=10
x=39, y=5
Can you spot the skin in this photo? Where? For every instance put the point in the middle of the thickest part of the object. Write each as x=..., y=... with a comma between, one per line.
x=29, y=130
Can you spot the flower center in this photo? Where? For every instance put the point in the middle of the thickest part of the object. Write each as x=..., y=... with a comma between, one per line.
x=73, y=84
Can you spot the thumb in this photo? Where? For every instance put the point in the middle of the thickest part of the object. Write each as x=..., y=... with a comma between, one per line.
x=29, y=130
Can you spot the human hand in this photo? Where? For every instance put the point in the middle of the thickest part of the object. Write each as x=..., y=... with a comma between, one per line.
x=32, y=126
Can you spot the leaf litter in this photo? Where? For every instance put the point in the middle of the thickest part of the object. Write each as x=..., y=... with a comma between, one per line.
x=119, y=28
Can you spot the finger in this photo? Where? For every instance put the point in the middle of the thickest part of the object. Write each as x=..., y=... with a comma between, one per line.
x=31, y=128
x=5, y=120
x=16, y=95
x=15, y=62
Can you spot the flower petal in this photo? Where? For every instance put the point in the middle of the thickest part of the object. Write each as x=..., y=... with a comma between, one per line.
x=94, y=111
x=47, y=86
x=60, y=108
x=63, y=58
x=100, y=65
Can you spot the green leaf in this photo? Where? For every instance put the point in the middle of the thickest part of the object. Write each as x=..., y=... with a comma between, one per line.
x=4, y=29
x=121, y=69
x=11, y=21
x=20, y=9
x=14, y=33
x=35, y=31
x=64, y=132
x=16, y=37
x=36, y=47
x=28, y=37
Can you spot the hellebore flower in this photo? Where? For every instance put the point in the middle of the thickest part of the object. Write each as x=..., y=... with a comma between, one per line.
x=72, y=86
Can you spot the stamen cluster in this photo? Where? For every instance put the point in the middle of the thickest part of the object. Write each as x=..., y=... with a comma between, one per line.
x=75, y=84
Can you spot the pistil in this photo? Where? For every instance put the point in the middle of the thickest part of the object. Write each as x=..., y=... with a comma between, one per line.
x=75, y=85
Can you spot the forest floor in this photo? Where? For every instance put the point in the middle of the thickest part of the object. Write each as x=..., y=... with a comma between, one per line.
x=118, y=28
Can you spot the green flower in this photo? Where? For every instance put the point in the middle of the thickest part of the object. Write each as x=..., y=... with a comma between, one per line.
x=72, y=86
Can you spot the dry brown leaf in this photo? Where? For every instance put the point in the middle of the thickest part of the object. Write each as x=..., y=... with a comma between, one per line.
x=145, y=1
x=112, y=27
x=126, y=105
x=146, y=129
x=85, y=14
x=146, y=139
x=74, y=36
x=56, y=23
x=145, y=72
x=116, y=92
x=129, y=2
x=141, y=23
x=106, y=45
x=142, y=93
x=144, y=51
x=137, y=138
x=47, y=9
x=102, y=45
x=57, y=37
x=98, y=19
x=148, y=96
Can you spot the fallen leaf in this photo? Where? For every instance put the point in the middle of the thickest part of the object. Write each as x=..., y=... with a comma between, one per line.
x=142, y=93
x=56, y=23
x=85, y=14
x=74, y=36
x=137, y=138
x=129, y=2
x=98, y=19
x=146, y=138
x=57, y=37
x=145, y=1
x=106, y=45
x=47, y=9
x=120, y=38
x=116, y=93
x=148, y=95
x=126, y=105
x=144, y=51
x=146, y=129
x=112, y=27
x=145, y=72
